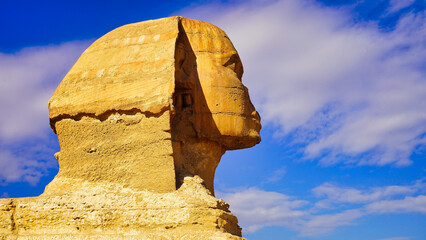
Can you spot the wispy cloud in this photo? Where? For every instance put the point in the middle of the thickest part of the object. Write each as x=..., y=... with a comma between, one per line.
x=396, y=5
x=257, y=208
x=27, y=161
x=326, y=223
x=28, y=79
x=349, y=91
x=408, y=204
x=14, y=168
x=277, y=175
x=336, y=194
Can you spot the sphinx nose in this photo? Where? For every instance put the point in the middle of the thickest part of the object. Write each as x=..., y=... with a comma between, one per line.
x=255, y=115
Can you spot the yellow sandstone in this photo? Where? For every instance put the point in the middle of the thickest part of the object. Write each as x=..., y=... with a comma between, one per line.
x=142, y=118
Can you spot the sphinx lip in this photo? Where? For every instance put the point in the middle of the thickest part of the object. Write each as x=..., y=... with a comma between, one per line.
x=257, y=122
x=255, y=119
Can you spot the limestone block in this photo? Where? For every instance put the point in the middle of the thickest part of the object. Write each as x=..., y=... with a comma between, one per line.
x=133, y=150
x=131, y=67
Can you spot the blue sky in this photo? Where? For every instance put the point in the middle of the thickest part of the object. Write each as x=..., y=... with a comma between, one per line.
x=340, y=87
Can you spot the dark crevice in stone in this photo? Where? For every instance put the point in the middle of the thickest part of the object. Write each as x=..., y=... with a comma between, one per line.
x=104, y=116
x=12, y=206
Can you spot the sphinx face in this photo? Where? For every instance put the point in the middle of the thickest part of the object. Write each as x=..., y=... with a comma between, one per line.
x=228, y=101
x=223, y=110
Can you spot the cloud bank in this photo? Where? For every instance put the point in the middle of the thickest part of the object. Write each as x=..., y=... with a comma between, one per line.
x=257, y=208
x=28, y=79
x=348, y=92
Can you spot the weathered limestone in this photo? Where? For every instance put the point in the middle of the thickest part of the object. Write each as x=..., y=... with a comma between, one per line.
x=142, y=118
x=112, y=212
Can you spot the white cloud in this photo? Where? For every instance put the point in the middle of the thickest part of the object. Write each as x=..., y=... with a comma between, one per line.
x=15, y=168
x=257, y=208
x=346, y=89
x=28, y=79
x=408, y=204
x=326, y=223
x=396, y=5
x=27, y=161
x=335, y=194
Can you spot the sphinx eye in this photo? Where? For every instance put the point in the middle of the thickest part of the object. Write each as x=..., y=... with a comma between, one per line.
x=186, y=100
x=183, y=99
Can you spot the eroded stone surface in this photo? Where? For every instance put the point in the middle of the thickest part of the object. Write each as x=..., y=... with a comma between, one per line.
x=127, y=148
x=142, y=119
x=114, y=211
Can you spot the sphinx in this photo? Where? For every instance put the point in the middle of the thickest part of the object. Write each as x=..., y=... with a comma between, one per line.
x=143, y=119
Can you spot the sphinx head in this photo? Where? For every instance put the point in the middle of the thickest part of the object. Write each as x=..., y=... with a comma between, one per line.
x=182, y=77
x=208, y=85
x=212, y=111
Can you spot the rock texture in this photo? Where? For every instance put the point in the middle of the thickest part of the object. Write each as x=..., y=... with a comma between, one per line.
x=142, y=118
